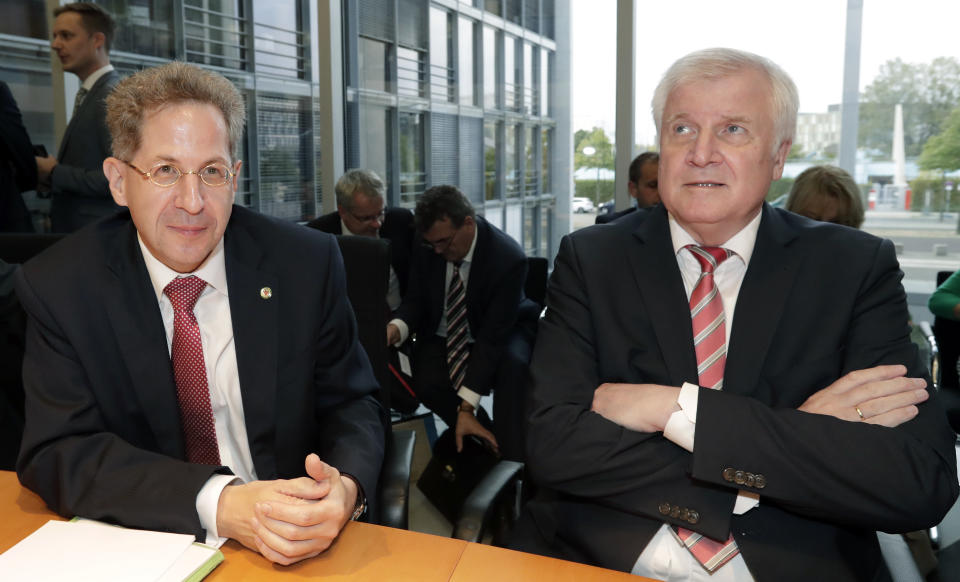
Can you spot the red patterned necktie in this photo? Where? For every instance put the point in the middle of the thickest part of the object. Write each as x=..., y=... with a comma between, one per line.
x=710, y=342
x=457, y=350
x=190, y=372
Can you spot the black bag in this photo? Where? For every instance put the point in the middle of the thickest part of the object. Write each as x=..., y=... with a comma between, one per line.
x=450, y=476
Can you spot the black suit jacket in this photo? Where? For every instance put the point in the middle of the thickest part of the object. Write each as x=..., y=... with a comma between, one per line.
x=494, y=298
x=80, y=191
x=18, y=168
x=610, y=217
x=817, y=301
x=397, y=228
x=103, y=437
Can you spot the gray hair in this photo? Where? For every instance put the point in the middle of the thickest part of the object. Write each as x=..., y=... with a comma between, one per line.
x=366, y=181
x=719, y=63
x=157, y=87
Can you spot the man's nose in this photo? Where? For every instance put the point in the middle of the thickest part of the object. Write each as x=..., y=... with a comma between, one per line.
x=189, y=195
x=703, y=151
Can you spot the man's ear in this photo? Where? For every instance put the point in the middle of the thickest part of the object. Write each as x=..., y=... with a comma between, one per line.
x=99, y=40
x=780, y=158
x=113, y=169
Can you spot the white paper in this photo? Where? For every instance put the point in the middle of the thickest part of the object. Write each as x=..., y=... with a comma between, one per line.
x=405, y=364
x=86, y=550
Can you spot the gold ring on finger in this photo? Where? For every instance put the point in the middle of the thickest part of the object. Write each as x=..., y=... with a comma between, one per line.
x=857, y=408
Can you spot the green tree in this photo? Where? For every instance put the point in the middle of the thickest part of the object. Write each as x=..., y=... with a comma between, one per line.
x=796, y=152
x=942, y=151
x=599, y=140
x=928, y=93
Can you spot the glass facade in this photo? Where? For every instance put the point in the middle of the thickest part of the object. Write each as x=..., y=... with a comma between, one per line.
x=433, y=92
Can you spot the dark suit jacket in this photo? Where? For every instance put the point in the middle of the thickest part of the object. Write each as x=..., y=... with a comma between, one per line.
x=103, y=437
x=610, y=217
x=494, y=298
x=80, y=191
x=397, y=228
x=18, y=168
x=817, y=301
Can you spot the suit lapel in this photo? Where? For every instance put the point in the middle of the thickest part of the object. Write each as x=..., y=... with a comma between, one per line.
x=657, y=276
x=91, y=97
x=135, y=317
x=254, y=313
x=763, y=294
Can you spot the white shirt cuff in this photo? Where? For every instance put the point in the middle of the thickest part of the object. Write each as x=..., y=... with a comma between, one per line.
x=207, y=500
x=469, y=395
x=681, y=427
x=402, y=328
x=746, y=500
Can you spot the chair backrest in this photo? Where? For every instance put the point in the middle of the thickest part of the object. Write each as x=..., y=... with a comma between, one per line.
x=367, y=264
x=947, y=333
x=535, y=287
x=18, y=247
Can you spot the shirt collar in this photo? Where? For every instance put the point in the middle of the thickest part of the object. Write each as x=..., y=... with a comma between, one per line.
x=741, y=243
x=90, y=81
x=213, y=270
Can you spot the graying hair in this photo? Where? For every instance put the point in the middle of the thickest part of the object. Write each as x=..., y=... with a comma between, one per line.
x=719, y=63
x=157, y=87
x=366, y=181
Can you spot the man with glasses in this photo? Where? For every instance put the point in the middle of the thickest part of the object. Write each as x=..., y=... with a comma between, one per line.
x=464, y=304
x=362, y=211
x=192, y=366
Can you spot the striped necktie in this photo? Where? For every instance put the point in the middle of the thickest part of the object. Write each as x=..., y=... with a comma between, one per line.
x=457, y=349
x=78, y=100
x=710, y=342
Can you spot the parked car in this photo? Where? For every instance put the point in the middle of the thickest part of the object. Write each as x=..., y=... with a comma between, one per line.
x=581, y=205
x=606, y=207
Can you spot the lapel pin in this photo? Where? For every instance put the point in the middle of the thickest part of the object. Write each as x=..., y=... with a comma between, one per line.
x=266, y=293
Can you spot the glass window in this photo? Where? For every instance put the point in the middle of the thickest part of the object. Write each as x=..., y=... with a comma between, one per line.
x=278, y=38
x=529, y=229
x=511, y=96
x=372, y=57
x=411, y=72
x=285, y=136
x=489, y=67
x=513, y=11
x=413, y=175
x=24, y=18
x=143, y=26
x=374, y=141
x=515, y=222
x=511, y=165
x=215, y=33
x=531, y=168
x=546, y=222
x=492, y=6
x=546, y=59
x=490, y=149
x=441, y=54
x=546, y=151
x=528, y=75
x=466, y=72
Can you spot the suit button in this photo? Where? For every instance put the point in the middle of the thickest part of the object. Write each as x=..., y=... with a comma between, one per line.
x=739, y=478
x=664, y=508
x=751, y=479
x=685, y=514
x=694, y=516
x=728, y=474
x=761, y=481
x=675, y=512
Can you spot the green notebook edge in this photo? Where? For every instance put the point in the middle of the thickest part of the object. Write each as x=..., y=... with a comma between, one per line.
x=204, y=570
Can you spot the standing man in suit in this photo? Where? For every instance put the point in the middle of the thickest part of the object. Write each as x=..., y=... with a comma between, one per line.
x=361, y=211
x=82, y=35
x=641, y=184
x=192, y=366
x=18, y=170
x=464, y=303
x=733, y=387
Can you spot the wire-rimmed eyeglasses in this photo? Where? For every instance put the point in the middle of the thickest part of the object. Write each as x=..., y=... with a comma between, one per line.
x=165, y=174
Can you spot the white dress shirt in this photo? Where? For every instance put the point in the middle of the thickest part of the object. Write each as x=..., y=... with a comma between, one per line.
x=665, y=558
x=93, y=77
x=212, y=311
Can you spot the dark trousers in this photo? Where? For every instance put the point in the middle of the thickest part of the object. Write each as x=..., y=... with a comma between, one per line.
x=431, y=382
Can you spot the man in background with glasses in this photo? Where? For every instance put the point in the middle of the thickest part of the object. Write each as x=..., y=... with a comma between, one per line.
x=192, y=366
x=464, y=304
x=362, y=211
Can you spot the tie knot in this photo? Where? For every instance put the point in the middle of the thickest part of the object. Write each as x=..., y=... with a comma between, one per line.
x=709, y=257
x=184, y=292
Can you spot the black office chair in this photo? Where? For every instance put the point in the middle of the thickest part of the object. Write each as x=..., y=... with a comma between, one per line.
x=367, y=264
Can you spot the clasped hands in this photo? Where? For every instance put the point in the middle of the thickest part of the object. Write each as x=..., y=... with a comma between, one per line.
x=288, y=520
x=883, y=395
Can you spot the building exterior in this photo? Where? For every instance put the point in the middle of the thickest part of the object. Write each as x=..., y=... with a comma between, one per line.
x=818, y=134
x=431, y=92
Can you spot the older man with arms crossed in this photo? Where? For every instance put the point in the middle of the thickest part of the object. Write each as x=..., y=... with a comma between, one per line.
x=733, y=395
x=192, y=366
